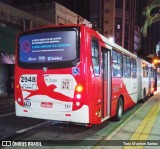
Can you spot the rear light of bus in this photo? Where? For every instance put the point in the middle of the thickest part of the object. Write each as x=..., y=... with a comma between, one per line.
x=25, y=110
x=18, y=91
x=152, y=89
x=17, y=86
x=18, y=95
x=79, y=88
x=78, y=97
x=67, y=114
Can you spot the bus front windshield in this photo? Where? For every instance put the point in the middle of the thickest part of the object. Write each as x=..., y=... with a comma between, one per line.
x=55, y=48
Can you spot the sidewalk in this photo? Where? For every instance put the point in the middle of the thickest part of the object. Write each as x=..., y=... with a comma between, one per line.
x=142, y=128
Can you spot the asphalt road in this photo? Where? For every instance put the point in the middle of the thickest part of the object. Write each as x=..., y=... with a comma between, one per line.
x=20, y=128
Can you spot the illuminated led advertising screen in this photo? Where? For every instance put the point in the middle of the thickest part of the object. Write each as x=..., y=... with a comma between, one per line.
x=48, y=47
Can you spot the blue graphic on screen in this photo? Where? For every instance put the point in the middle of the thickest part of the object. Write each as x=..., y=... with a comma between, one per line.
x=48, y=47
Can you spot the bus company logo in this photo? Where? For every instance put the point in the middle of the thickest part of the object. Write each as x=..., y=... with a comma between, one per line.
x=26, y=46
x=41, y=58
x=50, y=80
x=32, y=59
x=54, y=58
x=50, y=58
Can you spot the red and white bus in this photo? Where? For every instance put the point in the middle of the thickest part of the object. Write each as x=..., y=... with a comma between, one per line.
x=147, y=79
x=73, y=74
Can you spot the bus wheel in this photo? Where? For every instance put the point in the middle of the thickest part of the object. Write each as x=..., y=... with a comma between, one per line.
x=119, y=110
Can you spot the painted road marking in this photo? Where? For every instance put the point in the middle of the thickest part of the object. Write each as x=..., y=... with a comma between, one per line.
x=143, y=130
x=7, y=114
x=36, y=126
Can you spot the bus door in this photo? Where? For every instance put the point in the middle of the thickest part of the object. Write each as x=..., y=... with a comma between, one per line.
x=106, y=83
x=149, y=80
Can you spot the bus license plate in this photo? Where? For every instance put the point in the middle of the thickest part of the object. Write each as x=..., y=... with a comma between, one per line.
x=46, y=104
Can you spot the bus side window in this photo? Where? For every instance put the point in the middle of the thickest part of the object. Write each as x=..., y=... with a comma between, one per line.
x=126, y=67
x=145, y=70
x=95, y=57
x=133, y=68
x=117, y=63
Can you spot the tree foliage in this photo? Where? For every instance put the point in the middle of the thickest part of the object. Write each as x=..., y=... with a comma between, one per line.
x=150, y=18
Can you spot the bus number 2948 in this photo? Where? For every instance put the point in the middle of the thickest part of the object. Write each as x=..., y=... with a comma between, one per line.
x=28, y=79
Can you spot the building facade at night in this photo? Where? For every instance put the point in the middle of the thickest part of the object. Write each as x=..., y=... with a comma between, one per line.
x=12, y=21
x=117, y=19
x=113, y=18
x=120, y=19
x=55, y=13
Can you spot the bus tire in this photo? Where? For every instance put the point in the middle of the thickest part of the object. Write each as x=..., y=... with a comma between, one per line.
x=119, y=109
